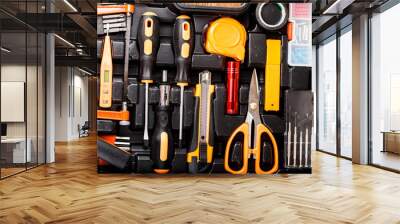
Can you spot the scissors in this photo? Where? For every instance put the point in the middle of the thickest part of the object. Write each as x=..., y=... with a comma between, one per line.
x=251, y=136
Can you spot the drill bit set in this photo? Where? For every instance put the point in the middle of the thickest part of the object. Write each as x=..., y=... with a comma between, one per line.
x=204, y=88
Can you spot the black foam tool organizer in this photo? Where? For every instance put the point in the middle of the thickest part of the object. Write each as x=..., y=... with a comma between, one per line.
x=296, y=96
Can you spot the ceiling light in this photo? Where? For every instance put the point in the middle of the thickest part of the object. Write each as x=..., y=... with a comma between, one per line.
x=65, y=41
x=5, y=50
x=71, y=6
x=84, y=71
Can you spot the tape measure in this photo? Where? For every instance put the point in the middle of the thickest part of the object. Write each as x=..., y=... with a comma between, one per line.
x=227, y=37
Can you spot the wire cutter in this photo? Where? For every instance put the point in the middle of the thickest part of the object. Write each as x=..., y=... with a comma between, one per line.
x=251, y=136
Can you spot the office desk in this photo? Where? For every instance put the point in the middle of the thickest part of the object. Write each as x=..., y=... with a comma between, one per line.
x=13, y=150
x=391, y=141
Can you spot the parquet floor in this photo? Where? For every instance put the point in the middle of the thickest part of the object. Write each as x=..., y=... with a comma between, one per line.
x=70, y=191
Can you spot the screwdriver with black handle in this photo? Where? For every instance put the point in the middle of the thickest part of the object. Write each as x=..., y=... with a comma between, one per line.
x=183, y=41
x=149, y=42
x=162, y=142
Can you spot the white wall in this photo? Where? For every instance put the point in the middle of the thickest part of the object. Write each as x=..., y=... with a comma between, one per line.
x=80, y=110
x=14, y=73
x=17, y=73
x=61, y=103
x=71, y=107
x=33, y=127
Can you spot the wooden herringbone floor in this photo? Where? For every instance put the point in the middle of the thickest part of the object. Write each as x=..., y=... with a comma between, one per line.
x=70, y=191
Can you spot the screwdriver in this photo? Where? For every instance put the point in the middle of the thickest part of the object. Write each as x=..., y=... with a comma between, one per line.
x=183, y=49
x=162, y=143
x=149, y=42
x=106, y=74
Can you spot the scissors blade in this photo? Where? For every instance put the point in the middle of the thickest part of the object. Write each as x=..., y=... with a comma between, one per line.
x=254, y=97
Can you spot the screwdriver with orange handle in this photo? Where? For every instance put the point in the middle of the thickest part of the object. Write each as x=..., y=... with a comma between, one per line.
x=162, y=142
x=183, y=42
x=106, y=62
x=149, y=42
x=106, y=74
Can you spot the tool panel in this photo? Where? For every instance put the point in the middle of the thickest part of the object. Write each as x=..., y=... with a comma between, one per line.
x=204, y=88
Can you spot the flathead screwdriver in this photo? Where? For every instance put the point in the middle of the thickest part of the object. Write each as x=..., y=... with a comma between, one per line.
x=183, y=42
x=149, y=42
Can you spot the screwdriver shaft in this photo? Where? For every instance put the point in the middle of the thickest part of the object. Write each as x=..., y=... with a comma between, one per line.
x=146, y=115
x=181, y=115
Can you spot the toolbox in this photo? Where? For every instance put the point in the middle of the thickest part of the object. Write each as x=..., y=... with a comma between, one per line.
x=178, y=81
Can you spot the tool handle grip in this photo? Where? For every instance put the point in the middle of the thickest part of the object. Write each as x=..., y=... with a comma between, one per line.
x=193, y=156
x=194, y=142
x=202, y=143
x=265, y=135
x=149, y=42
x=115, y=9
x=239, y=135
x=262, y=135
x=183, y=42
x=162, y=142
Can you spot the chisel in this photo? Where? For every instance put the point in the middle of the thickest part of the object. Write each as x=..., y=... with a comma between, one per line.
x=106, y=74
x=162, y=142
x=183, y=49
x=149, y=42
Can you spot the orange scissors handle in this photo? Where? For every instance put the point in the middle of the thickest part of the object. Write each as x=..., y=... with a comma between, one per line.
x=258, y=137
x=263, y=130
x=240, y=134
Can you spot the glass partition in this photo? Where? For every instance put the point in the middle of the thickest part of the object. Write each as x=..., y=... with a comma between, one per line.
x=22, y=77
x=327, y=96
x=15, y=149
x=385, y=90
x=346, y=93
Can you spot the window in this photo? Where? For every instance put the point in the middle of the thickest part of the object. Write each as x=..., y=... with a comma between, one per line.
x=346, y=93
x=385, y=89
x=327, y=96
x=22, y=76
